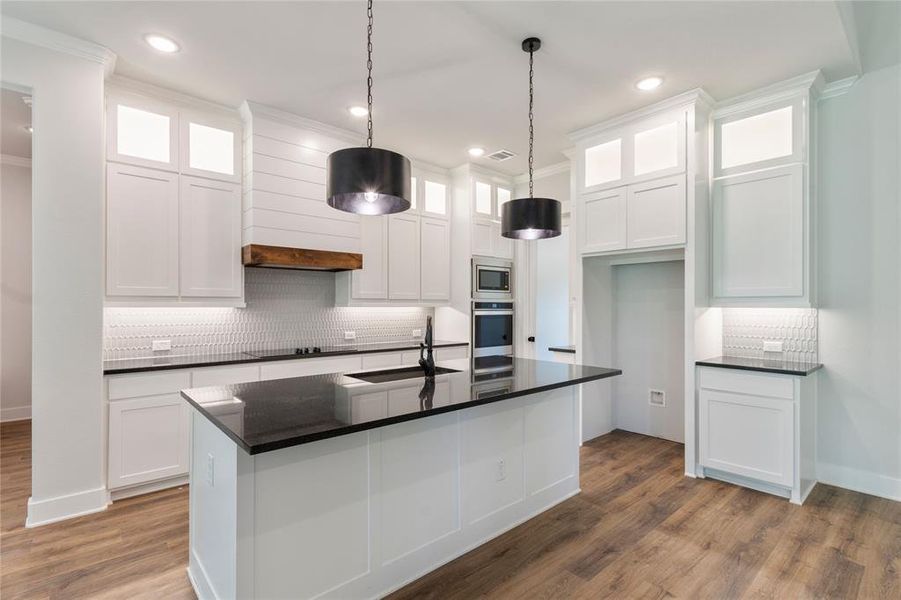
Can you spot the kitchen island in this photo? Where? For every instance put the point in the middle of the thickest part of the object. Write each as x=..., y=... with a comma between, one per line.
x=352, y=485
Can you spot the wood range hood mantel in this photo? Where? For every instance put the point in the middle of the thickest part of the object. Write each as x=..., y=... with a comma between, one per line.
x=278, y=257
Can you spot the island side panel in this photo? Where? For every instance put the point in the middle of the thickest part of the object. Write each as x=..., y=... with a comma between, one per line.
x=361, y=515
x=221, y=496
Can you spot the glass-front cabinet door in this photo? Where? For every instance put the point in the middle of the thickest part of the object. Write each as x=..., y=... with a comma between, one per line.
x=142, y=132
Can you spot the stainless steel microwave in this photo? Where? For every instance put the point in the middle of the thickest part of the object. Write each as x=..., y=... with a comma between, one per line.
x=492, y=279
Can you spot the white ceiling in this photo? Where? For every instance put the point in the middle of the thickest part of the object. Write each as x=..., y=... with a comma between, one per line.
x=15, y=115
x=449, y=75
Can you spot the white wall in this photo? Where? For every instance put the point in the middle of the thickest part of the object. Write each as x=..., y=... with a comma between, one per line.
x=15, y=290
x=596, y=348
x=859, y=255
x=67, y=278
x=648, y=345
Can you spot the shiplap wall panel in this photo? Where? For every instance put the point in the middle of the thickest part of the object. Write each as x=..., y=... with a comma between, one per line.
x=300, y=239
x=260, y=217
x=300, y=206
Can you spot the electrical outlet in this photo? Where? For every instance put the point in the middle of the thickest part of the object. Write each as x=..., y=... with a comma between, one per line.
x=656, y=397
x=350, y=335
x=210, y=469
x=161, y=345
x=772, y=346
x=501, y=470
x=417, y=333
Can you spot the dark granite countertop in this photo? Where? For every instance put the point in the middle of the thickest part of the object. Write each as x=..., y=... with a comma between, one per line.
x=567, y=349
x=162, y=363
x=269, y=415
x=764, y=365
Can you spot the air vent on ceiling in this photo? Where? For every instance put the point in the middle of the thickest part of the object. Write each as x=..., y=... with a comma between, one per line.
x=501, y=155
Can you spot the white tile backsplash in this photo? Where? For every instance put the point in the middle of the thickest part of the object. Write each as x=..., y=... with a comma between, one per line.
x=746, y=329
x=284, y=309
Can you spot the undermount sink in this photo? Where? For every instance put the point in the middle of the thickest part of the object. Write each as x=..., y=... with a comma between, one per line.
x=397, y=374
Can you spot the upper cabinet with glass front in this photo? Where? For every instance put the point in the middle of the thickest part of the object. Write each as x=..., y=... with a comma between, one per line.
x=149, y=133
x=620, y=154
x=760, y=137
x=430, y=193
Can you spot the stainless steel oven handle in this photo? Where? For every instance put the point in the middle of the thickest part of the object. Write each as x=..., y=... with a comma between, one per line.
x=488, y=313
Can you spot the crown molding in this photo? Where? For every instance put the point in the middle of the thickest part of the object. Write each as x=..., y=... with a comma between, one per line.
x=58, y=41
x=556, y=169
x=808, y=83
x=427, y=167
x=838, y=88
x=121, y=84
x=17, y=161
x=251, y=109
x=695, y=96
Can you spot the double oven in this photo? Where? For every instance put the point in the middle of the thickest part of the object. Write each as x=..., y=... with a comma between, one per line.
x=492, y=312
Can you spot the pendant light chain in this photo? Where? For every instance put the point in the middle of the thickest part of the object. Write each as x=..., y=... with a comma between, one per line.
x=369, y=74
x=531, y=126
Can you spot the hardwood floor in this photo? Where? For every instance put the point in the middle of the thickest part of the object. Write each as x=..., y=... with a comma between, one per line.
x=639, y=529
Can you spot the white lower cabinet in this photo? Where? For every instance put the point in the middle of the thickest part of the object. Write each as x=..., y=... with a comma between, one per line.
x=758, y=429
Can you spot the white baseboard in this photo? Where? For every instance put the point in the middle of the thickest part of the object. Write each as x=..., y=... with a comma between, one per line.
x=203, y=589
x=147, y=488
x=858, y=480
x=60, y=508
x=15, y=413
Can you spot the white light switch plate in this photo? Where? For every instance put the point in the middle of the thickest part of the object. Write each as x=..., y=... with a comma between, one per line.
x=161, y=345
x=771, y=346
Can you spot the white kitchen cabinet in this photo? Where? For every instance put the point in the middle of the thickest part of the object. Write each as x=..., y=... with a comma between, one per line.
x=760, y=137
x=371, y=282
x=502, y=246
x=656, y=213
x=142, y=232
x=757, y=429
x=142, y=131
x=210, y=234
x=603, y=221
x=759, y=236
x=435, y=259
x=602, y=164
x=482, y=237
x=403, y=257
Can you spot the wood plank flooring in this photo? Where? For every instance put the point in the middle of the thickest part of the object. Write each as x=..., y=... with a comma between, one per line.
x=639, y=529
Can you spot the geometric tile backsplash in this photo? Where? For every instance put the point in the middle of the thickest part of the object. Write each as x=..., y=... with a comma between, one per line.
x=745, y=330
x=284, y=309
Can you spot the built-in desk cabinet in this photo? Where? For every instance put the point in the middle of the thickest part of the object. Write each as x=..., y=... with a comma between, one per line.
x=173, y=215
x=631, y=183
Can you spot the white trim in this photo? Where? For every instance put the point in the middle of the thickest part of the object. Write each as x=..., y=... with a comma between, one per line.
x=16, y=161
x=849, y=24
x=691, y=97
x=250, y=109
x=865, y=482
x=777, y=92
x=60, y=42
x=60, y=508
x=837, y=88
x=203, y=589
x=147, y=488
x=419, y=165
x=122, y=84
x=15, y=413
x=548, y=171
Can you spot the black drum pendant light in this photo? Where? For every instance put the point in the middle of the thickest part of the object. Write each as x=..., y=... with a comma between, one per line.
x=368, y=181
x=530, y=218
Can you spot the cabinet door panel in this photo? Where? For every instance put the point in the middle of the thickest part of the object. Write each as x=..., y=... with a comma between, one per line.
x=752, y=436
x=503, y=247
x=604, y=221
x=142, y=132
x=758, y=234
x=210, y=238
x=435, y=257
x=603, y=164
x=371, y=282
x=142, y=232
x=403, y=257
x=210, y=147
x=481, y=238
x=659, y=149
x=148, y=439
x=656, y=213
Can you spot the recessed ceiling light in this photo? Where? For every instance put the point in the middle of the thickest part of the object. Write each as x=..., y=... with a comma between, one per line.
x=649, y=83
x=161, y=43
x=476, y=151
x=29, y=129
x=358, y=111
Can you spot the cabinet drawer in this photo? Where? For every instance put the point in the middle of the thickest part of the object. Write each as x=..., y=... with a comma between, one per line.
x=383, y=360
x=309, y=366
x=757, y=384
x=148, y=384
x=225, y=375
